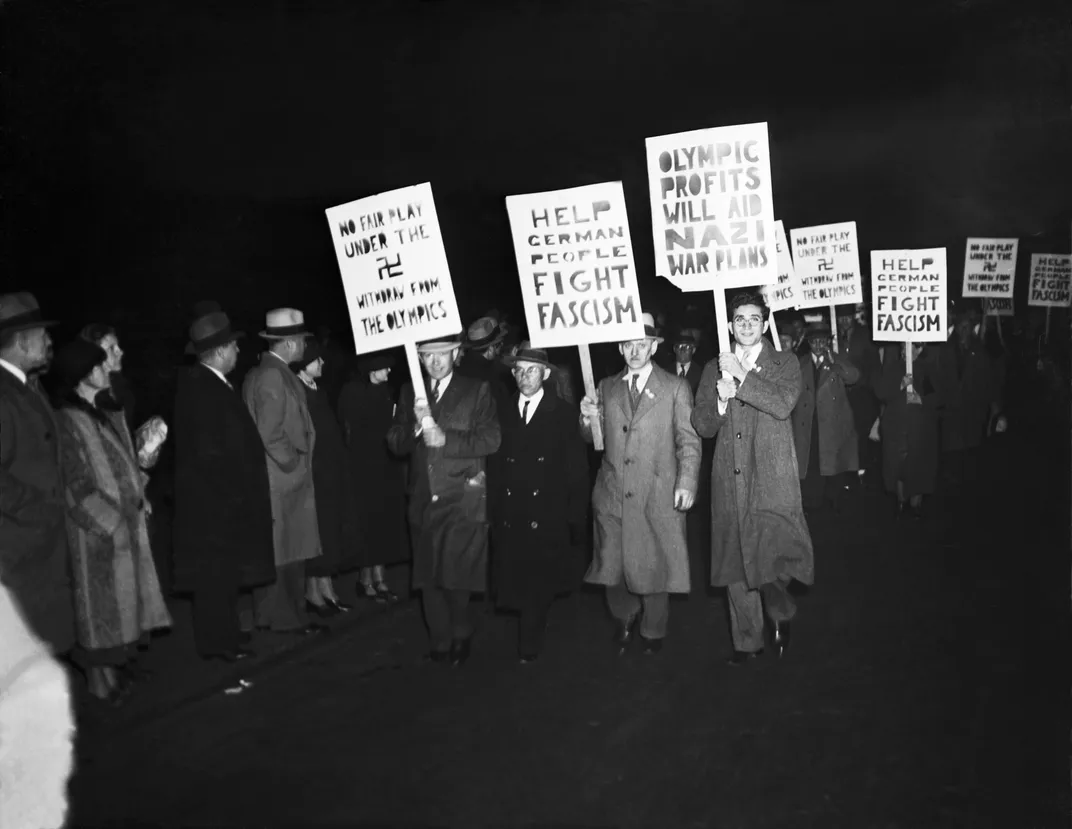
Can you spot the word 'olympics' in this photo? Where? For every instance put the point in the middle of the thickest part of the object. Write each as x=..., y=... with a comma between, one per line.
x=987, y=258
x=705, y=195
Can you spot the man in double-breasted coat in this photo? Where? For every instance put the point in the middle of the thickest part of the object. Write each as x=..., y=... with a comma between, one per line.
x=651, y=462
x=34, y=559
x=276, y=399
x=448, y=432
x=223, y=504
x=759, y=538
x=539, y=504
x=855, y=344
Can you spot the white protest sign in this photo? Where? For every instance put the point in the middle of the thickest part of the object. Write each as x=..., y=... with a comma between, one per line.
x=998, y=307
x=908, y=293
x=575, y=261
x=712, y=207
x=989, y=268
x=827, y=262
x=1051, y=280
x=783, y=294
x=394, y=269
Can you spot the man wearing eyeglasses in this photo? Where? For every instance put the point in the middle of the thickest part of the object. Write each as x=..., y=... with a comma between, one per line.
x=760, y=540
x=651, y=463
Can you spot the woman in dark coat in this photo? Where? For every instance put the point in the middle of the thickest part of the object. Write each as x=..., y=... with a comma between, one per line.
x=910, y=423
x=331, y=483
x=366, y=412
x=539, y=507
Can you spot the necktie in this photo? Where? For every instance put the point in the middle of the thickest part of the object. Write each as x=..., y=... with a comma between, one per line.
x=435, y=391
x=525, y=413
x=634, y=392
x=680, y=369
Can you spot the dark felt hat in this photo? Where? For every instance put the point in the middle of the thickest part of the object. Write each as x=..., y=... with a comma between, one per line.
x=20, y=312
x=527, y=354
x=819, y=329
x=483, y=333
x=313, y=352
x=75, y=360
x=209, y=331
x=368, y=363
x=684, y=339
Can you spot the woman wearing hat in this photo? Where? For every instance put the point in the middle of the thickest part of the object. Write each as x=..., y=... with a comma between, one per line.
x=118, y=600
x=366, y=410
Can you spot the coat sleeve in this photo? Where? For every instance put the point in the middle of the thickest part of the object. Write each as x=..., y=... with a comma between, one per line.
x=578, y=496
x=15, y=496
x=705, y=415
x=400, y=437
x=485, y=436
x=267, y=402
x=844, y=368
x=87, y=507
x=686, y=441
x=774, y=392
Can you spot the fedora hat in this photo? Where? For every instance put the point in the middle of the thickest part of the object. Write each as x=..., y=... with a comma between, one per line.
x=209, y=331
x=20, y=312
x=313, y=352
x=527, y=354
x=684, y=339
x=650, y=331
x=284, y=322
x=820, y=328
x=375, y=361
x=484, y=332
x=442, y=344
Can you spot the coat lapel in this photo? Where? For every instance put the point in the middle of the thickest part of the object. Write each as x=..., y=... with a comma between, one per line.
x=621, y=395
x=649, y=395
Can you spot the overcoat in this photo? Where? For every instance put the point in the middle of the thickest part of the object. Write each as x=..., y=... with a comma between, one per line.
x=276, y=399
x=117, y=591
x=223, y=505
x=758, y=531
x=639, y=536
x=973, y=393
x=910, y=430
x=448, y=484
x=823, y=394
x=34, y=560
x=378, y=496
x=862, y=352
x=539, y=505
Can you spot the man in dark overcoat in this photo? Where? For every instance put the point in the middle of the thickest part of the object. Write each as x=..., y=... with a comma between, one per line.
x=855, y=343
x=448, y=433
x=647, y=481
x=34, y=558
x=760, y=540
x=223, y=509
x=539, y=505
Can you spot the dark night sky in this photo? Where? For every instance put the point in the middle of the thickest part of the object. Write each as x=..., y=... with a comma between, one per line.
x=168, y=152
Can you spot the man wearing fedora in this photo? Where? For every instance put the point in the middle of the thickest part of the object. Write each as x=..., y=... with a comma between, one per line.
x=223, y=506
x=647, y=482
x=483, y=351
x=276, y=399
x=539, y=505
x=448, y=433
x=34, y=560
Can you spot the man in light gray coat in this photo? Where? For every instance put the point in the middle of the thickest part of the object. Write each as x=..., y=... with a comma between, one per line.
x=276, y=399
x=651, y=464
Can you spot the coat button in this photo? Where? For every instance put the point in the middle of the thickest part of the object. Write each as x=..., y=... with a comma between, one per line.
x=507, y=491
x=48, y=435
x=738, y=435
x=535, y=492
x=435, y=498
x=625, y=429
x=628, y=461
x=534, y=524
x=629, y=495
x=506, y=524
x=540, y=459
x=736, y=471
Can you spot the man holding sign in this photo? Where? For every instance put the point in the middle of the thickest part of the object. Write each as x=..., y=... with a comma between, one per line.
x=447, y=431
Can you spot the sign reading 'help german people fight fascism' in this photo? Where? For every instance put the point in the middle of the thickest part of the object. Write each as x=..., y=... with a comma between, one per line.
x=394, y=269
x=712, y=207
x=1051, y=280
x=575, y=261
x=908, y=294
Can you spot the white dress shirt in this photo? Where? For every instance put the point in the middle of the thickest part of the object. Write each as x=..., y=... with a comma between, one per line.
x=642, y=377
x=533, y=402
x=18, y=372
x=683, y=369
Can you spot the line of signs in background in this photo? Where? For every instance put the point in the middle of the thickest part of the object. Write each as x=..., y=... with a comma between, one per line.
x=713, y=228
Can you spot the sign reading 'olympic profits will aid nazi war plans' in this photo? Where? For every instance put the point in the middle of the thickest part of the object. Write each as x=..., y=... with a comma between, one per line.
x=908, y=293
x=827, y=261
x=394, y=269
x=575, y=261
x=712, y=207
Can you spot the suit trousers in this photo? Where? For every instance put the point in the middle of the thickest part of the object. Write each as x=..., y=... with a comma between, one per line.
x=281, y=606
x=215, y=612
x=746, y=611
x=624, y=607
x=447, y=615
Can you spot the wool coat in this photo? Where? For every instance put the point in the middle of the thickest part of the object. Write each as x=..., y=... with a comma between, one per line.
x=860, y=350
x=698, y=518
x=378, y=495
x=758, y=531
x=34, y=560
x=647, y=455
x=276, y=399
x=447, y=487
x=117, y=591
x=223, y=504
x=972, y=393
x=539, y=505
x=822, y=395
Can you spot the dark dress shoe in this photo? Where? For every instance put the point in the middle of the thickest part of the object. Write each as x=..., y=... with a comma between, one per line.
x=780, y=636
x=459, y=651
x=339, y=607
x=651, y=646
x=438, y=657
x=322, y=610
x=625, y=634
x=230, y=657
x=740, y=657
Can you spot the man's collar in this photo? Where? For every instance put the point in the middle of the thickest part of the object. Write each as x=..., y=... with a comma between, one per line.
x=642, y=375
x=281, y=359
x=218, y=373
x=536, y=398
x=15, y=370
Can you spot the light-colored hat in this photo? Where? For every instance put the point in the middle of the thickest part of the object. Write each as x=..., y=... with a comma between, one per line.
x=284, y=322
x=443, y=344
x=483, y=333
x=650, y=331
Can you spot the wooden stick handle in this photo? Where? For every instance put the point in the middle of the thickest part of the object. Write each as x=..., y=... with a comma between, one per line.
x=590, y=390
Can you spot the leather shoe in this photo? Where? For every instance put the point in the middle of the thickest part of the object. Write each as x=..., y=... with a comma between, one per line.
x=324, y=611
x=740, y=657
x=459, y=651
x=625, y=634
x=780, y=635
x=339, y=607
x=651, y=646
x=526, y=658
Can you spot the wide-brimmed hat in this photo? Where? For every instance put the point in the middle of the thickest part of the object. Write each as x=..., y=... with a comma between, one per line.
x=650, y=331
x=684, y=339
x=442, y=344
x=283, y=323
x=20, y=312
x=313, y=352
x=818, y=329
x=484, y=332
x=75, y=360
x=209, y=331
x=375, y=361
x=527, y=354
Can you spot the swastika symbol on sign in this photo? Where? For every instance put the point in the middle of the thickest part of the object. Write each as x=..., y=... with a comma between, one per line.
x=826, y=264
x=388, y=268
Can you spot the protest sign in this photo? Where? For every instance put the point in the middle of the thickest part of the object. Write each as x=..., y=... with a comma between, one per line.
x=989, y=268
x=909, y=295
x=578, y=278
x=782, y=294
x=998, y=307
x=827, y=262
x=1051, y=280
x=394, y=272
